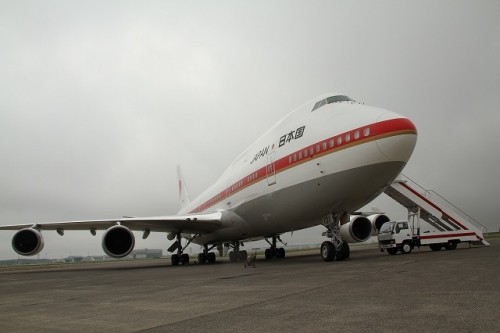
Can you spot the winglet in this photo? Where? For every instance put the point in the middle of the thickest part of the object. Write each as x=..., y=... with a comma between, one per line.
x=183, y=193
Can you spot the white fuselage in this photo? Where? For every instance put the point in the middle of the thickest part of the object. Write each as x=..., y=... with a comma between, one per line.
x=334, y=159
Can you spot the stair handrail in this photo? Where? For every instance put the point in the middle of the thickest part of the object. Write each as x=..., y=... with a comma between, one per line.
x=464, y=215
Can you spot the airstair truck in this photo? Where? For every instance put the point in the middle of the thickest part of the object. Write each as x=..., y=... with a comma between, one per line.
x=432, y=221
x=397, y=236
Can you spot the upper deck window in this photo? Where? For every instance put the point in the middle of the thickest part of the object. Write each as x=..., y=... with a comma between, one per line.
x=332, y=99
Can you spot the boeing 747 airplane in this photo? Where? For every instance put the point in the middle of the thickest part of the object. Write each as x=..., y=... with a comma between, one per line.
x=317, y=165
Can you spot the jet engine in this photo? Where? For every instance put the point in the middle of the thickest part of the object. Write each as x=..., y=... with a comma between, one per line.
x=28, y=242
x=377, y=220
x=359, y=229
x=118, y=241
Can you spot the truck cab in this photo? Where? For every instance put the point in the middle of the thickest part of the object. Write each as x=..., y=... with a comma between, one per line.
x=396, y=236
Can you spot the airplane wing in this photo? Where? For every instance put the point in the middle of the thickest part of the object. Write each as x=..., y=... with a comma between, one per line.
x=191, y=223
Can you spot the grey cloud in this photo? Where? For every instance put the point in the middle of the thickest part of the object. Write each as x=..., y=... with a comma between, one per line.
x=100, y=100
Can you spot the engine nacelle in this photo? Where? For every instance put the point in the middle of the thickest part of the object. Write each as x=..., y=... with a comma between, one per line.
x=28, y=242
x=118, y=241
x=377, y=220
x=359, y=229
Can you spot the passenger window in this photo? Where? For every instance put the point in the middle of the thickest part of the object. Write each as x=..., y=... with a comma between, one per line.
x=366, y=131
x=318, y=148
x=332, y=143
x=356, y=135
x=324, y=145
x=339, y=140
x=348, y=137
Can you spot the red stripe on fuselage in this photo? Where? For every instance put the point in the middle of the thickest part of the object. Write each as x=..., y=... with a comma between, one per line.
x=379, y=130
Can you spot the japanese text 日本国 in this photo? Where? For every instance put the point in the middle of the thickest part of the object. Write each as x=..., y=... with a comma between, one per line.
x=292, y=135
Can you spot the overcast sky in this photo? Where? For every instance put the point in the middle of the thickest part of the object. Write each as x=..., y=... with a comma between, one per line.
x=100, y=100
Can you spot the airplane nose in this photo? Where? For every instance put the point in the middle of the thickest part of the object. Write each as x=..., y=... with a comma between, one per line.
x=399, y=145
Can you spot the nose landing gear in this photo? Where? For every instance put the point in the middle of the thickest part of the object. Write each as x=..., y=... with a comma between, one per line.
x=336, y=248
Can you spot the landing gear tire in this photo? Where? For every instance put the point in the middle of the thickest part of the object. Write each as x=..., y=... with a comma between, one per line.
x=202, y=258
x=280, y=253
x=435, y=247
x=185, y=258
x=406, y=248
x=267, y=254
x=343, y=253
x=174, y=259
x=327, y=251
x=211, y=258
x=232, y=256
x=242, y=255
x=392, y=250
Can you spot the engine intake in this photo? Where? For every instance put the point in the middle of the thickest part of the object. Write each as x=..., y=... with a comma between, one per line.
x=118, y=241
x=359, y=229
x=28, y=242
x=377, y=220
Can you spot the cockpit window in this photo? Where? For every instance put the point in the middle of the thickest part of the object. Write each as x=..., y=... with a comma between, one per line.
x=338, y=98
x=332, y=99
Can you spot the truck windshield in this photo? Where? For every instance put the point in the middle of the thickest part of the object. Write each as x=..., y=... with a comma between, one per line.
x=386, y=227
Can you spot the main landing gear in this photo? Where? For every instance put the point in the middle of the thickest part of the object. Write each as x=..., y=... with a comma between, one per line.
x=336, y=248
x=273, y=251
x=183, y=258
x=180, y=257
x=236, y=255
x=206, y=256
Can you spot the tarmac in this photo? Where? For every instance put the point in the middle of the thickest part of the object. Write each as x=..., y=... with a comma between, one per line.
x=425, y=291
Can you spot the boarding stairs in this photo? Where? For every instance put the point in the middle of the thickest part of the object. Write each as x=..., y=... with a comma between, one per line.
x=444, y=220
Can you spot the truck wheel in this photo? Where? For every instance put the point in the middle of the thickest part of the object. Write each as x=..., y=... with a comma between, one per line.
x=392, y=250
x=406, y=248
x=327, y=251
x=451, y=245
